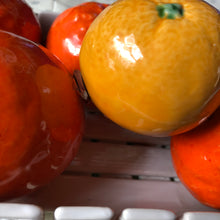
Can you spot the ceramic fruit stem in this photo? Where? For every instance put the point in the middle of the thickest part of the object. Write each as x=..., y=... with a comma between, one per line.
x=170, y=11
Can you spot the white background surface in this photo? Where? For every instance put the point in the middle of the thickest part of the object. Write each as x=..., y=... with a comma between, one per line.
x=60, y=5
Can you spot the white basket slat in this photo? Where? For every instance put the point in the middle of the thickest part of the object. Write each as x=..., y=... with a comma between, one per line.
x=109, y=158
x=118, y=194
x=101, y=128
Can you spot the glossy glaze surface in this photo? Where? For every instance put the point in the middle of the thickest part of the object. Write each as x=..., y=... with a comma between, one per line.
x=41, y=116
x=68, y=30
x=17, y=16
x=149, y=74
x=196, y=158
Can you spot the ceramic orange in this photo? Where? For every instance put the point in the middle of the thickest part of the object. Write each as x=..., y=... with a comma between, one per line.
x=152, y=66
x=196, y=158
x=42, y=119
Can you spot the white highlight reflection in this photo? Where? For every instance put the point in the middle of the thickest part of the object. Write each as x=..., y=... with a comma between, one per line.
x=72, y=48
x=127, y=48
x=31, y=186
x=46, y=90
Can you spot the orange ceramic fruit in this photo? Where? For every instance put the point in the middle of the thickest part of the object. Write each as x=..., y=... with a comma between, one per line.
x=41, y=116
x=196, y=158
x=152, y=66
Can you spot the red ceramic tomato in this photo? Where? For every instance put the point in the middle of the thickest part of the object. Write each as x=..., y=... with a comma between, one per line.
x=67, y=32
x=196, y=158
x=42, y=118
x=17, y=16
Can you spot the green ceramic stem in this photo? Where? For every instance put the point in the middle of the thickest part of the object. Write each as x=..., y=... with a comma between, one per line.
x=170, y=10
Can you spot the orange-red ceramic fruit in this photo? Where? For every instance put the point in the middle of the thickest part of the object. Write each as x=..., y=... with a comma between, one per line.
x=66, y=34
x=196, y=158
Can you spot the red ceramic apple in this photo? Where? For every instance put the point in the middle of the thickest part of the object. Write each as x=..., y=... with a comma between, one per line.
x=16, y=16
x=42, y=118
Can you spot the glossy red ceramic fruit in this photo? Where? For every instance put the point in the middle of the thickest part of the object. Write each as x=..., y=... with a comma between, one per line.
x=41, y=115
x=16, y=16
x=196, y=158
x=67, y=32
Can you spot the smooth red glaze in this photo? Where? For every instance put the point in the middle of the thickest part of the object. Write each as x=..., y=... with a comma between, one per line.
x=42, y=118
x=68, y=30
x=196, y=158
x=17, y=16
